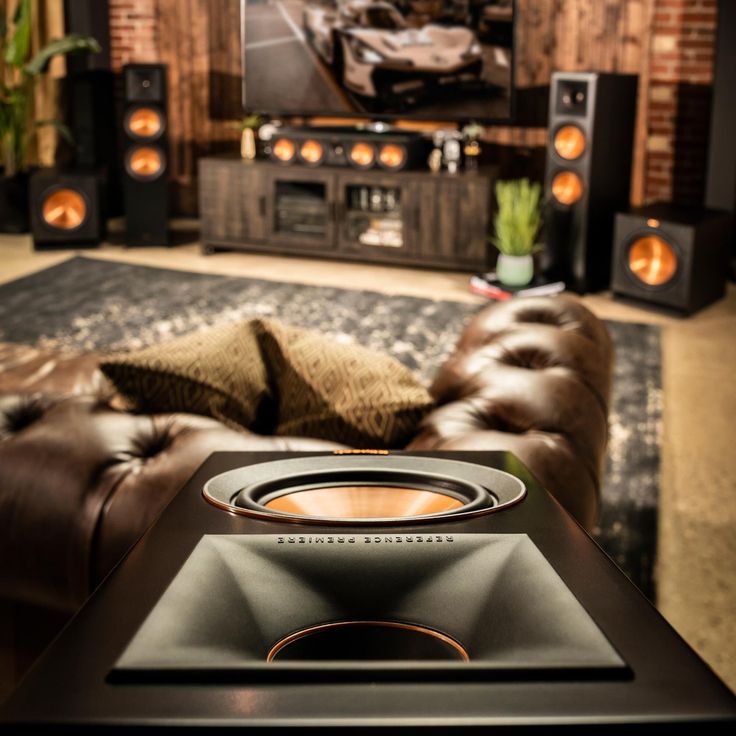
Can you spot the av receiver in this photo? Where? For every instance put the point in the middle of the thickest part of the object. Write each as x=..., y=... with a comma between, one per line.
x=381, y=591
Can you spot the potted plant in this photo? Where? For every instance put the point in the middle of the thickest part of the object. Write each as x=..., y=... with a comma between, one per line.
x=516, y=224
x=19, y=72
x=248, y=127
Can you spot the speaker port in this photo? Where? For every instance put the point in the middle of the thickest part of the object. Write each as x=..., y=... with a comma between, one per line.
x=367, y=641
x=64, y=209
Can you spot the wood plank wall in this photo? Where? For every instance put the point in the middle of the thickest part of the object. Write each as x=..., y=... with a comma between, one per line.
x=200, y=41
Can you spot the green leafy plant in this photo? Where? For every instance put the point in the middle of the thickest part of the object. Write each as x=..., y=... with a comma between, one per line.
x=249, y=122
x=518, y=219
x=19, y=72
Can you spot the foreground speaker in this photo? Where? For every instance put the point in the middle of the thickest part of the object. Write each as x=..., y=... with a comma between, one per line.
x=589, y=152
x=672, y=256
x=353, y=590
x=66, y=209
x=145, y=154
x=390, y=151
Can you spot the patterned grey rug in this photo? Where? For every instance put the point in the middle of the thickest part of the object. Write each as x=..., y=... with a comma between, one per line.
x=88, y=304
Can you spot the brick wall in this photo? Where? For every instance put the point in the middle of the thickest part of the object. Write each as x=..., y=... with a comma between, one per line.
x=133, y=32
x=681, y=73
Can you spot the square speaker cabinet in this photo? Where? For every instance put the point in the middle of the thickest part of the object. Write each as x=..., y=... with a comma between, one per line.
x=66, y=209
x=671, y=256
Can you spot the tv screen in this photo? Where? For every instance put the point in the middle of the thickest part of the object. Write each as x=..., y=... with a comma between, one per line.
x=424, y=59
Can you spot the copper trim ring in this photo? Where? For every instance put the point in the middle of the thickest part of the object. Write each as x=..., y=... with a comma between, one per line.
x=294, y=636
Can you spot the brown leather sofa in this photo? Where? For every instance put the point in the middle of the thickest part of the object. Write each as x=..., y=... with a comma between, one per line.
x=81, y=480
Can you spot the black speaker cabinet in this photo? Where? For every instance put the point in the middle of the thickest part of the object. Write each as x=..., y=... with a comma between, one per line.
x=672, y=256
x=145, y=154
x=66, y=209
x=589, y=153
x=394, y=592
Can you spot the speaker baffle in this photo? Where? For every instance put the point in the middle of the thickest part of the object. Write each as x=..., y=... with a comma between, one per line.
x=64, y=209
x=380, y=490
x=367, y=641
x=652, y=261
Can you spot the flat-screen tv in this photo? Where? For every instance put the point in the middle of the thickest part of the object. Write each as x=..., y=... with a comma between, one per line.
x=423, y=59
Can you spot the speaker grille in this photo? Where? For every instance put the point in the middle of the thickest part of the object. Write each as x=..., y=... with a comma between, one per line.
x=652, y=260
x=64, y=209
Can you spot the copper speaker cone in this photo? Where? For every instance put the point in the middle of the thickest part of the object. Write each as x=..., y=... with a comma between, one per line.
x=392, y=156
x=146, y=162
x=567, y=187
x=363, y=502
x=652, y=260
x=569, y=142
x=367, y=640
x=284, y=150
x=311, y=151
x=362, y=155
x=145, y=122
x=64, y=209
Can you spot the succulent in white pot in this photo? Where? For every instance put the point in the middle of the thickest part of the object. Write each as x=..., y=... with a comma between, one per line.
x=516, y=226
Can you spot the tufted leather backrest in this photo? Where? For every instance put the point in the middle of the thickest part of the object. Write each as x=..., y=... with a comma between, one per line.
x=532, y=376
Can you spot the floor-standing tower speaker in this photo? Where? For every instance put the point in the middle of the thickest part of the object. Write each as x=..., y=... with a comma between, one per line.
x=589, y=152
x=145, y=154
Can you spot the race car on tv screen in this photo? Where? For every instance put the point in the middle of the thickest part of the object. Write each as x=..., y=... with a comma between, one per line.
x=376, y=54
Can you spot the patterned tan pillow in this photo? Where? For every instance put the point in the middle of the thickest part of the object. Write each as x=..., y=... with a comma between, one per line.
x=344, y=393
x=272, y=378
x=217, y=372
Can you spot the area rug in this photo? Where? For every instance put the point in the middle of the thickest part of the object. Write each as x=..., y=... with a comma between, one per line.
x=91, y=304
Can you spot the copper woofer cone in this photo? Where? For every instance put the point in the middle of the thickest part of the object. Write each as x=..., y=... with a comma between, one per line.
x=364, y=502
x=363, y=491
x=144, y=122
x=652, y=260
x=64, y=209
x=145, y=162
x=367, y=640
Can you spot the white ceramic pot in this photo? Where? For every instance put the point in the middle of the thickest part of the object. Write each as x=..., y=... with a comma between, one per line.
x=514, y=270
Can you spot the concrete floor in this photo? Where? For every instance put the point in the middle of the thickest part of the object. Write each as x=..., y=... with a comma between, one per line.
x=697, y=538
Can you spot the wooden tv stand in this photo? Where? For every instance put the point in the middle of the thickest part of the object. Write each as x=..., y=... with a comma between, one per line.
x=405, y=218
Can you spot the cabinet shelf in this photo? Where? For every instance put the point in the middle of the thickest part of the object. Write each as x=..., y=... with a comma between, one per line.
x=412, y=217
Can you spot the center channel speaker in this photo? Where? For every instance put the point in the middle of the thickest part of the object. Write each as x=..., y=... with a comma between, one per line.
x=145, y=154
x=391, y=151
x=589, y=152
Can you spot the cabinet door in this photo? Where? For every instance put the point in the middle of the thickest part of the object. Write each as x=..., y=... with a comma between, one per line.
x=462, y=220
x=231, y=201
x=374, y=215
x=300, y=208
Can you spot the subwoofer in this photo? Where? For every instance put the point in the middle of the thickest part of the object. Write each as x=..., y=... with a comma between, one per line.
x=671, y=256
x=488, y=606
x=66, y=209
x=591, y=133
x=145, y=154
